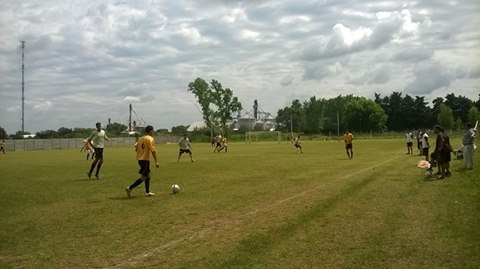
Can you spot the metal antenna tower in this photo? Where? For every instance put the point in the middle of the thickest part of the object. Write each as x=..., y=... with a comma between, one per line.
x=23, y=86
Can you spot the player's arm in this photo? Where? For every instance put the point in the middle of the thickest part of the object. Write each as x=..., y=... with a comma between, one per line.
x=154, y=154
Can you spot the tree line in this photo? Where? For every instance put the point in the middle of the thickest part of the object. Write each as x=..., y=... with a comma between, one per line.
x=389, y=113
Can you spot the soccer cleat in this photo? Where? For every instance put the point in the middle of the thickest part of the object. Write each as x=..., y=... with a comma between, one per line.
x=147, y=194
x=97, y=177
x=89, y=175
x=129, y=192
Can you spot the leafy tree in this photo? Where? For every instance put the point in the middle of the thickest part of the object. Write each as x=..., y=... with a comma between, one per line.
x=218, y=104
x=116, y=129
x=64, y=132
x=364, y=115
x=179, y=130
x=473, y=115
x=202, y=92
x=3, y=133
x=459, y=105
x=47, y=134
x=293, y=116
x=445, y=117
x=226, y=103
x=314, y=114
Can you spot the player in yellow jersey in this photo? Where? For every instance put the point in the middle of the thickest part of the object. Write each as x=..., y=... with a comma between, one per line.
x=144, y=147
x=224, y=146
x=348, y=138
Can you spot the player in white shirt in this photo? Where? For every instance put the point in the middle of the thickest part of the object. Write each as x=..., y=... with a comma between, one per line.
x=97, y=141
x=185, y=147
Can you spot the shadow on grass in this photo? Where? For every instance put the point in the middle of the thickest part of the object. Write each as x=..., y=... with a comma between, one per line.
x=121, y=198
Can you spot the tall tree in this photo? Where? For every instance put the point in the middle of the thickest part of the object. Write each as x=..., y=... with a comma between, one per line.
x=202, y=92
x=218, y=104
x=364, y=115
x=445, y=117
x=3, y=133
x=473, y=115
x=459, y=105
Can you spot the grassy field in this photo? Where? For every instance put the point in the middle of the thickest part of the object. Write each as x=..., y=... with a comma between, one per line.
x=262, y=205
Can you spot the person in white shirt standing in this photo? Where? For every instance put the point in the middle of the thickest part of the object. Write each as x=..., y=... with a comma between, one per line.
x=97, y=141
x=468, y=139
x=425, y=145
x=409, y=138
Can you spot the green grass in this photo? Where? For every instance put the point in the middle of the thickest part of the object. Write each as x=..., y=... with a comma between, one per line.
x=262, y=205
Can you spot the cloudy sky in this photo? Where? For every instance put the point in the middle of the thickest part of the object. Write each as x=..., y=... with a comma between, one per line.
x=85, y=61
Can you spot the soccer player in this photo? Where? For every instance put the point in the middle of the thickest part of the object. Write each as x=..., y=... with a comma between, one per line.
x=223, y=143
x=2, y=146
x=88, y=149
x=298, y=144
x=144, y=147
x=348, y=138
x=409, y=138
x=185, y=147
x=97, y=141
x=218, y=140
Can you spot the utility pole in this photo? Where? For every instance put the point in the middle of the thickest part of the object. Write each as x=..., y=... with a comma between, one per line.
x=23, y=86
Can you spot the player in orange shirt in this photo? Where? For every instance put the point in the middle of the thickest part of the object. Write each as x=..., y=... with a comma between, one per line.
x=144, y=147
x=348, y=138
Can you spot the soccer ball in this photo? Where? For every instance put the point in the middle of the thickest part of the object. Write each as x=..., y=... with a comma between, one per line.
x=175, y=188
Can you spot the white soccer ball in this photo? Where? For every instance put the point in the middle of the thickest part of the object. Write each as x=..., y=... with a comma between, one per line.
x=175, y=188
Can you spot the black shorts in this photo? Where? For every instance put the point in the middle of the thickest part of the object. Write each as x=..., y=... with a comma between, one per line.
x=99, y=153
x=144, y=168
x=298, y=145
x=349, y=146
x=219, y=144
x=185, y=151
x=425, y=151
x=409, y=144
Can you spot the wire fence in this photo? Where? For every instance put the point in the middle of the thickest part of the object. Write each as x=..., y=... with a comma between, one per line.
x=75, y=143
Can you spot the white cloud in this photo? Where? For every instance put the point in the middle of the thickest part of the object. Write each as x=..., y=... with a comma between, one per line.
x=88, y=60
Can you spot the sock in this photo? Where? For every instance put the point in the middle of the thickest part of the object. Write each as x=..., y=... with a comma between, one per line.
x=92, y=167
x=135, y=184
x=98, y=169
x=147, y=185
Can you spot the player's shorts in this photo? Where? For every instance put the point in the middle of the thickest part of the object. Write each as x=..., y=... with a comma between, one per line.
x=349, y=146
x=298, y=145
x=99, y=153
x=219, y=144
x=185, y=151
x=144, y=167
x=409, y=144
x=425, y=151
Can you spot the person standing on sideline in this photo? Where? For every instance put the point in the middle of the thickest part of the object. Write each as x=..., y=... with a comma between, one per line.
x=144, y=147
x=97, y=141
x=468, y=137
x=348, y=138
x=2, y=146
x=419, y=142
x=185, y=147
x=409, y=138
x=425, y=145
x=442, y=152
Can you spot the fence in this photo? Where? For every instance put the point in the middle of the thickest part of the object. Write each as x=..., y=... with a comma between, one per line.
x=72, y=143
